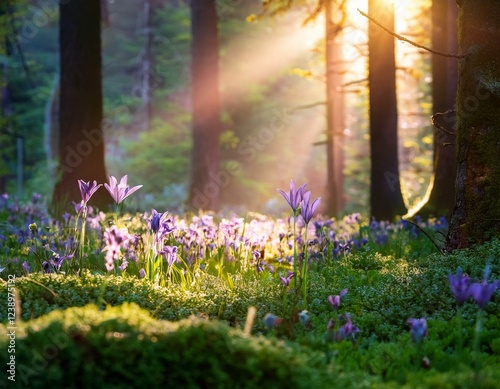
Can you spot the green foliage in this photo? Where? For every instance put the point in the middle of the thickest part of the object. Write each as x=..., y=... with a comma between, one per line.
x=383, y=292
x=41, y=294
x=161, y=155
x=125, y=347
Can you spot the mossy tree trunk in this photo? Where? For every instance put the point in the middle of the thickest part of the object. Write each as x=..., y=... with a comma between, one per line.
x=476, y=215
x=444, y=92
x=386, y=200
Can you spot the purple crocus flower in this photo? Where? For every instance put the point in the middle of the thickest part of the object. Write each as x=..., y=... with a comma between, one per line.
x=307, y=208
x=304, y=318
x=418, y=329
x=335, y=300
x=120, y=191
x=169, y=254
x=142, y=273
x=286, y=280
x=347, y=329
x=79, y=207
x=294, y=197
x=87, y=190
x=459, y=285
x=66, y=217
x=158, y=223
x=26, y=267
x=115, y=239
x=482, y=292
x=271, y=321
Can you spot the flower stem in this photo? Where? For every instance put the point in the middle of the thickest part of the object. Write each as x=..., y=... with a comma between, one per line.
x=82, y=239
x=304, y=269
x=476, y=350
x=294, y=250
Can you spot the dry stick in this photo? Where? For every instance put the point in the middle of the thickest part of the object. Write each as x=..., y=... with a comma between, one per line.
x=402, y=38
x=441, y=251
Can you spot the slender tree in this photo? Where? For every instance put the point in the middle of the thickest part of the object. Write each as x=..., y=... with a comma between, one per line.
x=334, y=108
x=476, y=215
x=5, y=110
x=146, y=66
x=444, y=92
x=206, y=179
x=81, y=141
x=386, y=200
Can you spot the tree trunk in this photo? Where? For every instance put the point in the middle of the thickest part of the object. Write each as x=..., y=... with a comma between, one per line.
x=444, y=93
x=81, y=142
x=5, y=108
x=476, y=215
x=206, y=179
x=146, y=69
x=386, y=199
x=334, y=116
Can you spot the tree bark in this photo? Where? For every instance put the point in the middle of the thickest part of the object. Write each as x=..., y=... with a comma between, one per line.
x=146, y=67
x=81, y=142
x=476, y=215
x=206, y=179
x=334, y=115
x=386, y=200
x=5, y=105
x=444, y=93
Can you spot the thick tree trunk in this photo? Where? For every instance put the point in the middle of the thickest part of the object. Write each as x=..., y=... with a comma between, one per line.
x=206, y=179
x=476, y=216
x=81, y=142
x=386, y=199
x=444, y=93
x=334, y=116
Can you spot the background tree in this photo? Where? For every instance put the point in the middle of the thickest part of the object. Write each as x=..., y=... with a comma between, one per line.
x=146, y=66
x=334, y=106
x=476, y=215
x=4, y=98
x=444, y=91
x=386, y=200
x=81, y=142
x=205, y=180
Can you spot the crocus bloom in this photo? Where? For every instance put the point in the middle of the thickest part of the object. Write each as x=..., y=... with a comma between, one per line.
x=347, y=329
x=459, y=285
x=482, y=292
x=115, y=239
x=120, y=191
x=26, y=267
x=418, y=329
x=169, y=254
x=87, y=190
x=158, y=222
x=303, y=317
x=286, y=280
x=307, y=209
x=271, y=321
x=79, y=207
x=294, y=197
x=335, y=300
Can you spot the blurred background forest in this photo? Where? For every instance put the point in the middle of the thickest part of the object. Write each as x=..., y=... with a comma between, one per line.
x=272, y=67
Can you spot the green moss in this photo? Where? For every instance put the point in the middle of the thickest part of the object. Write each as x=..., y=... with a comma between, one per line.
x=123, y=347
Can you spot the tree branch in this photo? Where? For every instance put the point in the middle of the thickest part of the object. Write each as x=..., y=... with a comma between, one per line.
x=16, y=44
x=439, y=126
x=402, y=38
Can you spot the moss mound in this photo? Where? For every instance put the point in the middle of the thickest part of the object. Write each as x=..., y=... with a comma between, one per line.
x=124, y=347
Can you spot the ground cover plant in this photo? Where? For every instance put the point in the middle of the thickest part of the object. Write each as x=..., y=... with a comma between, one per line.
x=244, y=301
